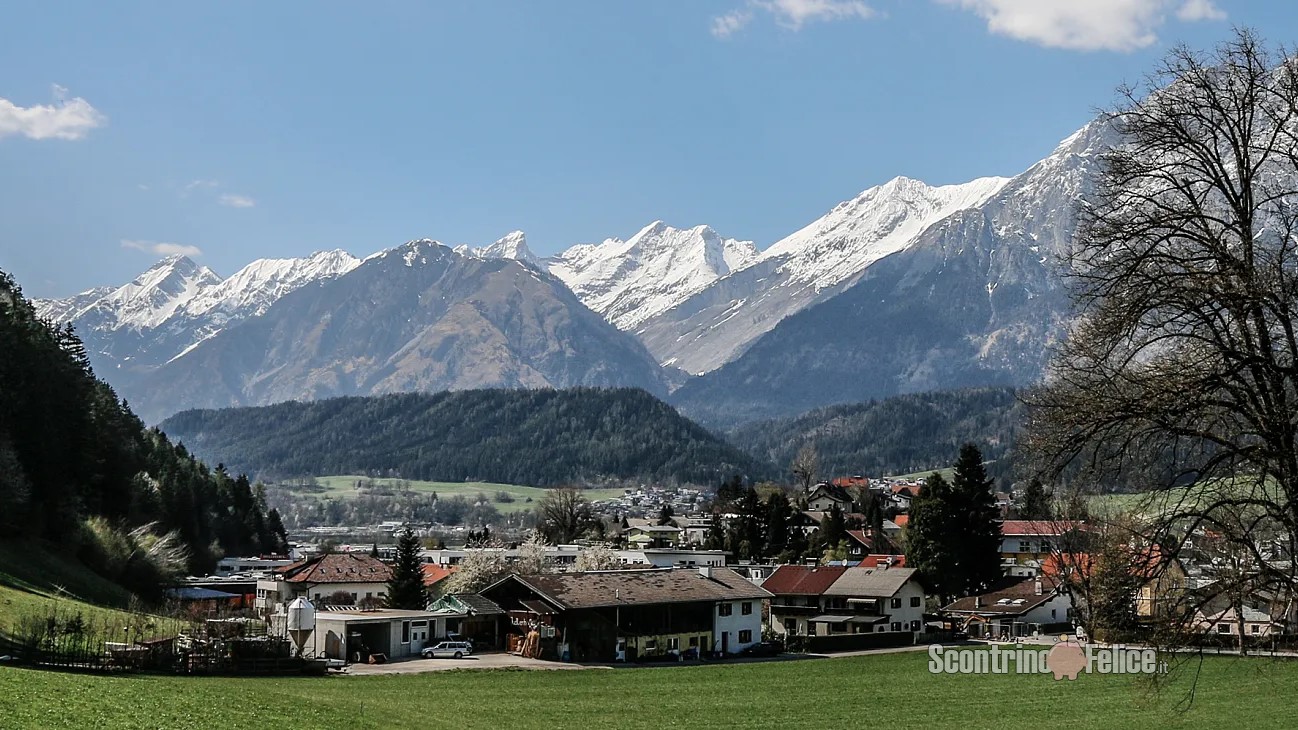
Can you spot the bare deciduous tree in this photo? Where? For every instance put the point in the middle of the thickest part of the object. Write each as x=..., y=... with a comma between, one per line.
x=1183, y=365
x=565, y=515
x=806, y=463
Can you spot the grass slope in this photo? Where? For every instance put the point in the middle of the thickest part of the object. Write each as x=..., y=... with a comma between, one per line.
x=340, y=487
x=888, y=690
x=36, y=580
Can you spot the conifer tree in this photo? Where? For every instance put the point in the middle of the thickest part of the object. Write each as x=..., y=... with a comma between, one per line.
x=406, y=589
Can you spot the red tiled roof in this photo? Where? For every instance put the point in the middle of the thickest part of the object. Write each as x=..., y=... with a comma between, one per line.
x=911, y=489
x=874, y=561
x=434, y=574
x=851, y=482
x=901, y=520
x=1038, y=527
x=338, y=568
x=803, y=580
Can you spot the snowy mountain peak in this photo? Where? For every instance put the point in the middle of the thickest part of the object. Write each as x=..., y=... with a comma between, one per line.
x=654, y=270
x=512, y=246
x=879, y=221
x=252, y=289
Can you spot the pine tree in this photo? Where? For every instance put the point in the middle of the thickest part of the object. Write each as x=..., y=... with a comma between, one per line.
x=1034, y=503
x=406, y=589
x=978, y=530
x=778, y=512
x=715, y=537
x=930, y=548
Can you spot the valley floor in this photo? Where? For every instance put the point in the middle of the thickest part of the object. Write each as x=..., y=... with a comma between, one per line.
x=887, y=690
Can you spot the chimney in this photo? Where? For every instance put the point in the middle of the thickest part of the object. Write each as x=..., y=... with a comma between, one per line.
x=1036, y=586
x=705, y=571
x=978, y=601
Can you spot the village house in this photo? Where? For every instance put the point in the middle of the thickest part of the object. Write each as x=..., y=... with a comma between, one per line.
x=825, y=496
x=317, y=579
x=1014, y=606
x=1026, y=544
x=634, y=614
x=1256, y=624
x=863, y=542
x=831, y=600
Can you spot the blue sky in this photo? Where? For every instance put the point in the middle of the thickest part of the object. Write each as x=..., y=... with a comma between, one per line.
x=240, y=130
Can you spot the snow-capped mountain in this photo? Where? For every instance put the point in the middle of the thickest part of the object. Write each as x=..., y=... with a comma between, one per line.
x=975, y=299
x=512, y=246
x=718, y=322
x=660, y=266
x=176, y=303
x=416, y=317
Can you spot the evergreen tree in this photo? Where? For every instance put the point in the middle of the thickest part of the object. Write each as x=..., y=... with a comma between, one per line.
x=1034, y=503
x=833, y=527
x=930, y=547
x=406, y=589
x=665, y=515
x=715, y=537
x=979, y=532
x=747, y=533
x=778, y=512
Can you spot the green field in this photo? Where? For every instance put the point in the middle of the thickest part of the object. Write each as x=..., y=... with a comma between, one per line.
x=340, y=487
x=887, y=690
x=947, y=473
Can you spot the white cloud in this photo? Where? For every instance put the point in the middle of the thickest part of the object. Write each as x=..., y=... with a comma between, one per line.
x=1110, y=25
x=1194, y=10
x=791, y=14
x=236, y=201
x=160, y=248
x=723, y=26
x=64, y=119
x=193, y=185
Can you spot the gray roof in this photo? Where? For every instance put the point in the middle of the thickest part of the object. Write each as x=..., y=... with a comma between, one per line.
x=478, y=604
x=870, y=582
x=639, y=587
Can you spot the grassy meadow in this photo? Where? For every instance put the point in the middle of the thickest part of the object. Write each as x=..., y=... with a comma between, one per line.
x=340, y=487
x=884, y=690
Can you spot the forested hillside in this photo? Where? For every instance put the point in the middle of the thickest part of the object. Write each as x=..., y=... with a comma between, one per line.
x=531, y=437
x=894, y=436
x=79, y=469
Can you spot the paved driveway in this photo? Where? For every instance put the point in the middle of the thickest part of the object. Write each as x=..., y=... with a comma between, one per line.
x=494, y=660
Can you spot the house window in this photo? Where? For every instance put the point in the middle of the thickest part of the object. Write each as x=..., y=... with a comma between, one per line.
x=1223, y=628
x=1045, y=546
x=725, y=609
x=745, y=636
x=914, y=625
x=673, y=643
x=896, y=626
x=651, y=644
x=746, y=608
x=915, y=601
x=896, y=603
x=1257, y=628
x=882, y=628
x=405, y=632
x=1053, y=612
x=1025, y=546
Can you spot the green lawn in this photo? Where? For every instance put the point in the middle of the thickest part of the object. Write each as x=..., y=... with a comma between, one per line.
x=946, y=473
x=889, y=690
x=340, y=487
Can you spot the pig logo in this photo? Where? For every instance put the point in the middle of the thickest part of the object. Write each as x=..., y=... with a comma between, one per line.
x=1066, y=659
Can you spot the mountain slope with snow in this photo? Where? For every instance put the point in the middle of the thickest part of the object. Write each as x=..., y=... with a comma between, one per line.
x=654, y=270
x=716, y=324
x=975, y=300
x=419, y=317
x=176, y=304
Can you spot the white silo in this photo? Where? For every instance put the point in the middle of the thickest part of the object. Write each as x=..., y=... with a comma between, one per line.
x=301, y=621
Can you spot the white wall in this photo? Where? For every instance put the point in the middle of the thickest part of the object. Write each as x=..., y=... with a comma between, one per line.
x=736, y=622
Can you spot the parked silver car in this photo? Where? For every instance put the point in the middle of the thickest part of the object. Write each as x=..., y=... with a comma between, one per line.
x=453, y=649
